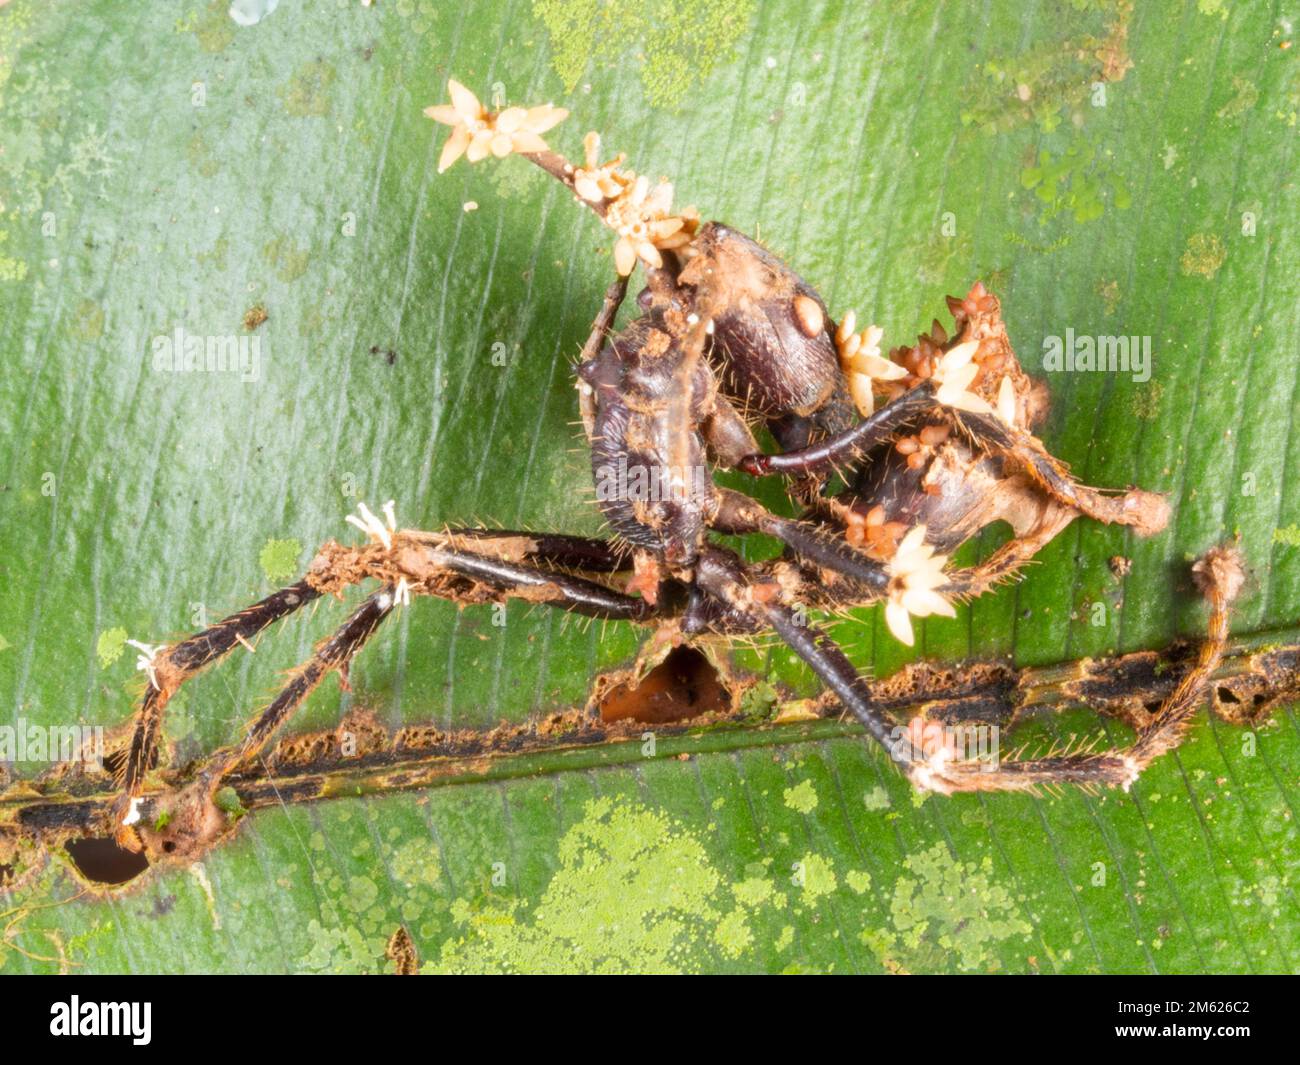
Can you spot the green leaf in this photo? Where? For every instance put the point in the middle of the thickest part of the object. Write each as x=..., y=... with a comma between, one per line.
x=1108, y=168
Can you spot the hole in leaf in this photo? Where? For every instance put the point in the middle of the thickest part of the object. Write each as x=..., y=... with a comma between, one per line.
x=1226, y=695
x=102, y=861
x=684, y=685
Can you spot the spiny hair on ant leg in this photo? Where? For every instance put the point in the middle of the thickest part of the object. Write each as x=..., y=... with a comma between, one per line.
x=932, y=442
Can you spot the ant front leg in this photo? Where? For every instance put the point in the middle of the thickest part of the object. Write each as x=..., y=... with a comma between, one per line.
x=182, y=824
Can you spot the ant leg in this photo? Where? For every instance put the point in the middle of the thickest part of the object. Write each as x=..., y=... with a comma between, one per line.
x=932, y=765
x=581, y=553
x=435, y=560
x=414, y=563
x=426, y=563
x=1147, y=512
x=170, y=667
x=600, y=328
x=851, y=444
x=525, y=582
x=973, y=581
x=1219, y=577
x=738, y=514
x=336, y=653
x=539, y=585
x=604, y=322
x=721, y=574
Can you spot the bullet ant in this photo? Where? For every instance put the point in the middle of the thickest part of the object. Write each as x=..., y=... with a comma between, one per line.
x=931, y=443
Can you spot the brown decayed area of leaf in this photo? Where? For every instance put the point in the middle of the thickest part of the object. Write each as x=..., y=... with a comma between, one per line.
x=180, y=822
x=683, y=686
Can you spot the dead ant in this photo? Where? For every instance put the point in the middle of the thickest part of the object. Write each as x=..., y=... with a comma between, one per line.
x=727, y=336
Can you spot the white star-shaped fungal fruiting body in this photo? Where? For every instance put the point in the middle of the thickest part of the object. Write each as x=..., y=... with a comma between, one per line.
x=954, y=373
x=368, y=523
x=148, y=652
x=477, y=132
x=862, y=363
x=599, y=181
x=915, y=572
x=1006, y=405
x=640, y=216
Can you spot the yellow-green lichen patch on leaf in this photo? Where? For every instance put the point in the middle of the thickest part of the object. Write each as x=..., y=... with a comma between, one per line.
x=1203, y=255
x=11, y=269
x=753, y=891
x=1266, y=893
x=802, y=797
x=420, y=15
x=817, y=876
x=946, y=910
x=1077, y=181
x=109, y=646
x=859, y=880
x=1109, y=293
x=338, y=950
x=1057, y=79
x=516, y=182
x=279, y=559
x=34, y=101
x=1146, y=402
x=733, y=934
x=389, y=879
x=680, y=41
x=417, y=863
x=876, y=799
x=201, y=156
x=87, y=322
x=635, y=892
